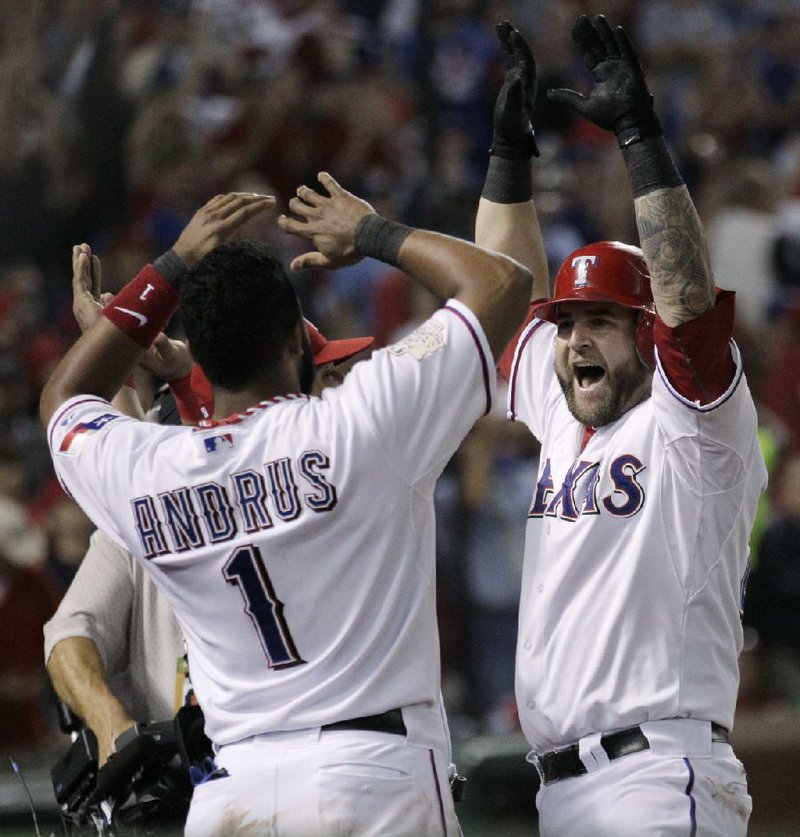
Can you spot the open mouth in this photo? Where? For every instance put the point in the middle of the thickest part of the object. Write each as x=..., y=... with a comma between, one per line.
x=587, y=375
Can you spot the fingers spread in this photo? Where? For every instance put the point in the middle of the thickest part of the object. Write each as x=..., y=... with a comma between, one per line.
x=303, y=209
x=589, y=45
x=606, y=37
x=294, y=226
x=330, y=184
x=308, y=195
x=240, y=212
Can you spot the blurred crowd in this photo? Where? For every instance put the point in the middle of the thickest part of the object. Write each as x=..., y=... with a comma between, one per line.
x=119, y=118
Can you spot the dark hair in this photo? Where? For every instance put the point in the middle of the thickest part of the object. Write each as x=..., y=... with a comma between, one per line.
x=237, y=309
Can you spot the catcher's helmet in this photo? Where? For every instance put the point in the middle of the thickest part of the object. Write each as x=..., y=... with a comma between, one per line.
x=607, y=271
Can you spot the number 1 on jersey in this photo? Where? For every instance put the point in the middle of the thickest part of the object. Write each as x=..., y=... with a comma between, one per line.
x=245, y=568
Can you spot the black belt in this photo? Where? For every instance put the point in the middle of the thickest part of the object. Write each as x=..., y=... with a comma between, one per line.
x=565, y=762
x=391, y=722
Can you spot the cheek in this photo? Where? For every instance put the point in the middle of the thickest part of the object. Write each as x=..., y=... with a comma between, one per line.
x=561, y=357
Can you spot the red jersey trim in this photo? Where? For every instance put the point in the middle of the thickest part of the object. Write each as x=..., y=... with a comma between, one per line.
x=533, y=325
x=484, y=363
x=507, y=358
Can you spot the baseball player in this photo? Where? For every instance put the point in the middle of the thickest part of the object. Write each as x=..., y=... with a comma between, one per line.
x=650, y=471
x=113, y=648
x=292, y=535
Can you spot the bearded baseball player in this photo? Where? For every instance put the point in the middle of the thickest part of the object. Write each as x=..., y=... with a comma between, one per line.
x=649, y=475
x=293, y=535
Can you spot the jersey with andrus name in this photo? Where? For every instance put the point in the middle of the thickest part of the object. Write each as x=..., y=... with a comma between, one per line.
x=295, y=541
x=636, y=552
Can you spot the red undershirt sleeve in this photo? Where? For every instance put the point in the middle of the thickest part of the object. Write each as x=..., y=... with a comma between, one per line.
x=696, y=355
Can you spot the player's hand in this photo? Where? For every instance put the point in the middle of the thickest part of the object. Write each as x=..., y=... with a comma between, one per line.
x=328, y=221
x=513, y=109
x=108, y=735
x=167, y=359
x=620, y=99
x=87, y=298
x=217, y=221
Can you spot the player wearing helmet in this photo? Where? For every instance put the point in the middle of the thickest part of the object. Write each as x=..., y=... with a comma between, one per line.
x=649, y=476
x=604, y=284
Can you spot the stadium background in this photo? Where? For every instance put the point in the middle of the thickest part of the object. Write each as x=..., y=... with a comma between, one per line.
x=118, y=118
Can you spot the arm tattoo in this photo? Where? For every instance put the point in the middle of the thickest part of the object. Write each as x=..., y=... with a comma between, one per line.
x=675, y=250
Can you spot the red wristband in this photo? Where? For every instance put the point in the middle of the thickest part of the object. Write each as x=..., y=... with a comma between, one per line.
x=143, y=307
x=186, y=401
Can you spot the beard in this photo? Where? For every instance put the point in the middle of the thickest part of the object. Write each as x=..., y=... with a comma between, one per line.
x=307, y=368
x=617, y=398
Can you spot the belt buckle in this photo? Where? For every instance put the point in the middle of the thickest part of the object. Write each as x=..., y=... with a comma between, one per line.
x=537, y=763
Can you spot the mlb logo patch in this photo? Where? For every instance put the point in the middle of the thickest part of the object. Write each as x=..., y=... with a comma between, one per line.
x=222, y=441
x=77, y=435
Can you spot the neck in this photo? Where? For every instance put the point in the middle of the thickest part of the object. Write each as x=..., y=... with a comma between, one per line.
x=228, y=402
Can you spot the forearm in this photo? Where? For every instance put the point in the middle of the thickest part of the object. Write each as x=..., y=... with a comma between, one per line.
x=507, y=220
x=494, y=287
x=97, y=364
x=675, y=249
x=79, y=678
x=670, y=233
x=513, y=230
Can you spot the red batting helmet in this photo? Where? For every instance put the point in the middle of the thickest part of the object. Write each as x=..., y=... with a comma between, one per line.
x=607, y=271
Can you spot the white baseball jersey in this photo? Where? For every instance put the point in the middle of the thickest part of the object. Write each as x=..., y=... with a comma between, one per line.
x=636, y=551
x=295, y=541
x=113, y=601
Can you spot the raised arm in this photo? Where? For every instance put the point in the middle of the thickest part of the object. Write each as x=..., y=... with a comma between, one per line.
x=108, y=350
x=670, y=232
x=506, y=219
x=344, y=228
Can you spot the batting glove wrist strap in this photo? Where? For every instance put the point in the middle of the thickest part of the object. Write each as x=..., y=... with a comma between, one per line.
x=631, y=130
x=519, y=149
x=650, y=166
x=508, y=181
x=380, y=238
x=143, y=307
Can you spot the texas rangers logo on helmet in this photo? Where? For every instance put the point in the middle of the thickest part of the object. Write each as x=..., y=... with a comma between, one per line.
x=581, y=265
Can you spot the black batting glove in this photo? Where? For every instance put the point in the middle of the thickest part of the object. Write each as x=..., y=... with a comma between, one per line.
x=513, y=132
x=620, y=101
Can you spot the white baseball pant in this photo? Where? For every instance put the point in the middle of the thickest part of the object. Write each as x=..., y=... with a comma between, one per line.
x=329, y=783
x=685, y=785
